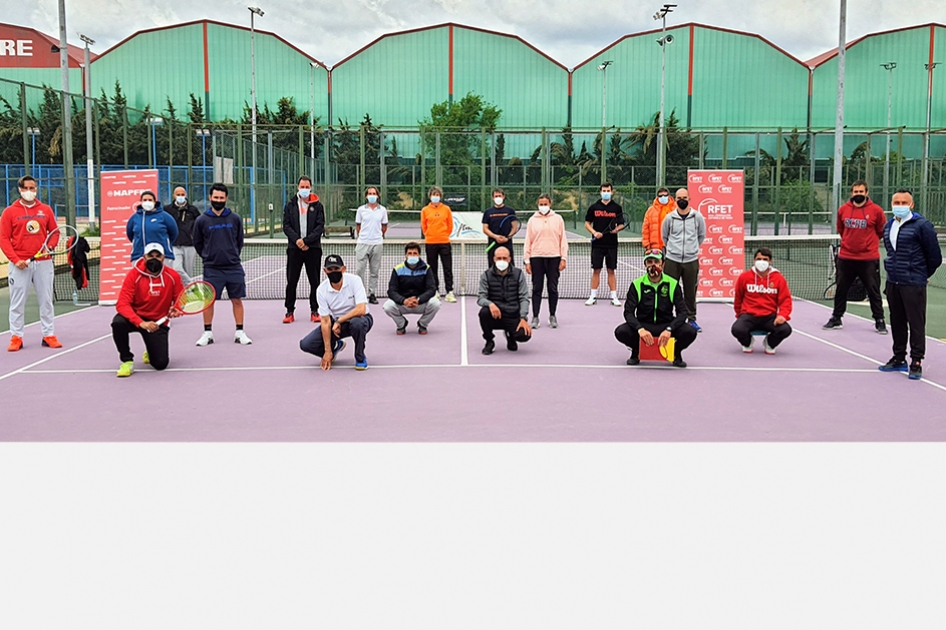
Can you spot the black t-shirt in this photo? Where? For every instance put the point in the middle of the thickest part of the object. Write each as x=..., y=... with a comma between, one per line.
x=603, y=218
x=493, y=217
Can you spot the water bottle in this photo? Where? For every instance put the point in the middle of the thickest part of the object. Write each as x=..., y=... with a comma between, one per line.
x=75, y=297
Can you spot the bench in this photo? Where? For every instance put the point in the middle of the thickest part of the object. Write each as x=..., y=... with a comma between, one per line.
x=349, y=230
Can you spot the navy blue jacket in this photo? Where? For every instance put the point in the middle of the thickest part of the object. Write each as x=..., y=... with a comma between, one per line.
x=156, y=226
x=917, y=255
x=417, y=282
x=219, y=239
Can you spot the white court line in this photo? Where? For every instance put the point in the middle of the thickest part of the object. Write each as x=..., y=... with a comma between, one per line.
x=23, y=369
x=464, y=353
x=476, y=365
x=862, y=356
x=855, y=315
x=78, y=310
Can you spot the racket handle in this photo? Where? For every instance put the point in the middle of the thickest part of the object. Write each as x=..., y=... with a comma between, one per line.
x=162, y=321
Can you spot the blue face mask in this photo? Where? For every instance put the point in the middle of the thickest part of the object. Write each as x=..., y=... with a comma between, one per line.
x=413, y=260
x=181, y=200
x=304, y=193
x=372, y=198
x=606, y=196
x=901, y=212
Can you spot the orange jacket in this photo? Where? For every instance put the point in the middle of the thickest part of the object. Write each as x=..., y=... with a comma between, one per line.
x=654, y=218
x=436, y=223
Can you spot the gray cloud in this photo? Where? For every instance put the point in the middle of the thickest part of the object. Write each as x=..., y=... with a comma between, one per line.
x=568, y=31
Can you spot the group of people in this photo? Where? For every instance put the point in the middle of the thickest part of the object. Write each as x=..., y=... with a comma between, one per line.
x=659, y=306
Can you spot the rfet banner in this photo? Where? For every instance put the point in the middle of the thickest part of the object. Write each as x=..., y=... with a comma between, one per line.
x=120, y=193
x=718, y=195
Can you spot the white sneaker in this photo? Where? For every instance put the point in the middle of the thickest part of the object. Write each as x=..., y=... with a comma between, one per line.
x=615, y=301
x=241, y=338
x=765, y=346
x=591, y=301
x=748, y=349
x=535, y=322
x=206, y=338
x=450, y=298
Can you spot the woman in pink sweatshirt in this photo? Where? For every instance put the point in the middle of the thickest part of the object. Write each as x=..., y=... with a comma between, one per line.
x=545, y=252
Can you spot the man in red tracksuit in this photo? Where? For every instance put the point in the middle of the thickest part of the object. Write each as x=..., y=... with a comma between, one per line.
x=861, y=226
x=147, y=294
x=763, y=302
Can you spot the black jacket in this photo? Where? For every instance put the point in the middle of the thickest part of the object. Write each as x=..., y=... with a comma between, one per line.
x=417, y=282
x=315, y=222
x=647, y=304
x=185, y=217
x=508, y=291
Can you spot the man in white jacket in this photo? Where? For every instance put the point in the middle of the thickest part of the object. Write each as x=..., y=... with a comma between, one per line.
x=684, y=231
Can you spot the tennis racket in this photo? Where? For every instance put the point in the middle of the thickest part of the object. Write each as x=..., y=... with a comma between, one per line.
x=59, y=241
x=195, y=298
x=613, y=225
x=505, y=227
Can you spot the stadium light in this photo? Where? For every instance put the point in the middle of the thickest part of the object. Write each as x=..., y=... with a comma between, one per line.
x=604, y=92
x=661, y=15
x=254, y=11
x=889, y=66
x=87, y=93
x=33, y=132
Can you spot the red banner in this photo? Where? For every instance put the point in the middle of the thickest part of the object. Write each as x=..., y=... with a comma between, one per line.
x=719, y=196
x=120, y=193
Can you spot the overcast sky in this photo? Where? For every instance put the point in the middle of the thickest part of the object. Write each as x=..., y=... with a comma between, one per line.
x=566, y=30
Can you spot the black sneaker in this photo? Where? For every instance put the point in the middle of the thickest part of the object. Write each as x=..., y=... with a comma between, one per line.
x=511, y=344
x=678, y=361
x=916, y=371
x=880, y=327
x=633, y=360
x=489, y=347
x=372, y=299
x=833, y=324
x=894, y=365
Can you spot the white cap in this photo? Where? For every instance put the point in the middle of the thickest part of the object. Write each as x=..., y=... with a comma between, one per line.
x=154, y=247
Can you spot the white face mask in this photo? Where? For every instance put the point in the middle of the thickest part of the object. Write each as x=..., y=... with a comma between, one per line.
x=372, y=198
x=761, y=265
x=29, y=196
x=305, y=192
x=147, y=205
x=181, y=200
x=502, y=265
x=901, y=212
x=435, y=199
x=545, y=209
x=498, y=201
x=663, y=198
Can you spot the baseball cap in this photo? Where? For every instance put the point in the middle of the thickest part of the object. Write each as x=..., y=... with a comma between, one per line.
x=333, y=260
x=154, y=247
x=653, y=253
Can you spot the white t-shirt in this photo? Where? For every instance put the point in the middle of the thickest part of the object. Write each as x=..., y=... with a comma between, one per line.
x=371, y=222
x=303, y=215
x=341, y=302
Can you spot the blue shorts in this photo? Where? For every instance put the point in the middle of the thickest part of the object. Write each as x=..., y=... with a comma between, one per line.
x=233, y=280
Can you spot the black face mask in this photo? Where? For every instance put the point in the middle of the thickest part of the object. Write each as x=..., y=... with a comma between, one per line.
x=859, y=199
x=153, y=265
x=218, y=205
x=683, y=203
x=334, y=276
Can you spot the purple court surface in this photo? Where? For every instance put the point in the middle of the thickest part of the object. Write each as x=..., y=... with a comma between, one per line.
x=568, y=384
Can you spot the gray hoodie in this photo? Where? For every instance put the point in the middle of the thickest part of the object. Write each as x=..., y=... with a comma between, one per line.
x=683, y=235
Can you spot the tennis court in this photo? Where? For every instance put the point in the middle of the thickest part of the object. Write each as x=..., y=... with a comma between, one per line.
x=568, y=384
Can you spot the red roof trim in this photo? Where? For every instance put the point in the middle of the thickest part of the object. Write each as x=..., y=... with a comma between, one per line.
x=216, y=23
x=451, y=25
x=814, y=62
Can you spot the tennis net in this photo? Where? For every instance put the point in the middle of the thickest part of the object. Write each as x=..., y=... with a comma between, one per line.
x=805, y=261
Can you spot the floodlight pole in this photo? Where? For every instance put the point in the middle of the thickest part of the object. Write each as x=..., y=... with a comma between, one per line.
x=661, y=134
x=254, y=11
x=604, y=93
x=839, y=119
x=89, y=162
x=68, y=172
x=312, y=66
x=926, y=139
x=889, y=66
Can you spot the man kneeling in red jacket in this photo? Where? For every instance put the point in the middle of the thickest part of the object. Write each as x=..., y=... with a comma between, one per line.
x=147, y=294
x=763, y=302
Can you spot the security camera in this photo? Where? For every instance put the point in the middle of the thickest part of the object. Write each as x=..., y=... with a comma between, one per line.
x=666, y=39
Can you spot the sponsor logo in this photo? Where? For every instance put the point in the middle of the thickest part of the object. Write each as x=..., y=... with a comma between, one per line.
x=696, y=179
x=131, y=192
x=712, y=206
x=735, y=271
x=715, y=271
x=706, y=261
x=736, y=251
x=706, y=189
x=706, y=283
x=726, y=240
x=724, y=189
x=715, y=229
x=717, y=293
x=16, y=47
x=760, y=288
x=735, y=229
x=726, y=282
x=735, y=178
x=716, y=179
x=727, y=261
x=664, y=290
x=716, y=251
x=857, y=224
x=32, y=226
